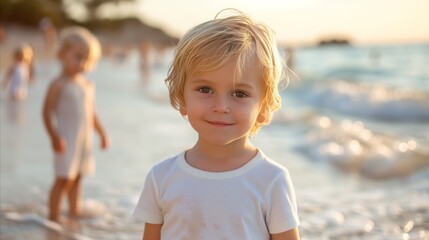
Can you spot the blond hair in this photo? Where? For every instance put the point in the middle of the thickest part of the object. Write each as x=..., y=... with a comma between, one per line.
x=24, y=52
x=210, y=45
x=82, y=37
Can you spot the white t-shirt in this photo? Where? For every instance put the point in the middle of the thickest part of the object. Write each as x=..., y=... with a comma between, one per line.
x=19, y=78
x=246, y=203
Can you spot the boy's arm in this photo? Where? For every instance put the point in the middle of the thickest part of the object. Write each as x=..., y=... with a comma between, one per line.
x=292, y=234
x=152, y=231
x=48, y=106
x=105, y=142
x=100, y=130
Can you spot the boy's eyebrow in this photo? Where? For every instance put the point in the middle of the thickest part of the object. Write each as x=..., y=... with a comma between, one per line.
x=198, y=80
x=244, y=86
x=236, y=84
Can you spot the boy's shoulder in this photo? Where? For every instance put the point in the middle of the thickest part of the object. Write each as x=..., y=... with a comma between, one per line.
x=56, y=83
x=271, y=167
x=89, y=82
x=166, y=164
x=170, y=167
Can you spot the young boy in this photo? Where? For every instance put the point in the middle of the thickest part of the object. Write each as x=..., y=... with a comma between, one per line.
x=224, y=78
x=70, y=118
x=20, y=73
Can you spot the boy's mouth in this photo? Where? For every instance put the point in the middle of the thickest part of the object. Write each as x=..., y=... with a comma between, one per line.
x=219, y=123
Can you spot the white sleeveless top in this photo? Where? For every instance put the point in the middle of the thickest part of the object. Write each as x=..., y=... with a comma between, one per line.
x=75, y=120
x=19, y=78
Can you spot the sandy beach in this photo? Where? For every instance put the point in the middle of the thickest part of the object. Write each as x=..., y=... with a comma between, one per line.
x=334, y=202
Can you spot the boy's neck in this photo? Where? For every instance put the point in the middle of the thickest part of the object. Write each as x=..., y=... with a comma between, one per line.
x=73, y=77
x=216, y=158
x=18, y=61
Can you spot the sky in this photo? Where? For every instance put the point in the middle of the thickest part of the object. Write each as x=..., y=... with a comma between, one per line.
x=302, y=21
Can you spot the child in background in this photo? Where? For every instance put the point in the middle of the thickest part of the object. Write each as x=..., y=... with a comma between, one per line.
x=70, y=119
x=224, y=78
x=20, y=73
x=49, y=33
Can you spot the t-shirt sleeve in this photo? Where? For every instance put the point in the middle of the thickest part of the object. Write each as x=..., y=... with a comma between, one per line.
x=148, y=208
x=282, y=213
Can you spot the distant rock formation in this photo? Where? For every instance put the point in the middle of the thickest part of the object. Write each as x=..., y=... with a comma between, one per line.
x=334, y=39
x=334, y=42
x=130, y=31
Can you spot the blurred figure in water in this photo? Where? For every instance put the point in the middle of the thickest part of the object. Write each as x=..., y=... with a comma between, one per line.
x=374, y=56
x=70, y=118
x=145, y=49
x=49, y=33
x=160, y=52
x=20, y=73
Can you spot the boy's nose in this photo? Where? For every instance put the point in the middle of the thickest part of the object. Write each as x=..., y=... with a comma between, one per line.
x=221, y=105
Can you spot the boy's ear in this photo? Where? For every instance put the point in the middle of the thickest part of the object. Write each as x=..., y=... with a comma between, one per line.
x=183, y=110
x=261, y=117
x=182, y=107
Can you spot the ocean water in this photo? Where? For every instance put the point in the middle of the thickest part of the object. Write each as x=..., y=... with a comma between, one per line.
x=353, y=131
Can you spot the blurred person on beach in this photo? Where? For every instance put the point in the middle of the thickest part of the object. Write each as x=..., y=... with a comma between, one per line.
x=49, y=33
x=20, y=73
x=145, y=48
x=160, y=50
x=70, y=118
x=224, y=79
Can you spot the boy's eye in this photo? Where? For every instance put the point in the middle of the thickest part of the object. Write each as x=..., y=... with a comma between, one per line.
x=204, y=90
x=240, y=94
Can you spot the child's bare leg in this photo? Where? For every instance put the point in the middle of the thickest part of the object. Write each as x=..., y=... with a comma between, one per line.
x=74, y=196
x=55, y=197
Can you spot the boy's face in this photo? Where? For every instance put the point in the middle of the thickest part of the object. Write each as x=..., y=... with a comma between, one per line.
x=75, y=59
x=222, y=109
